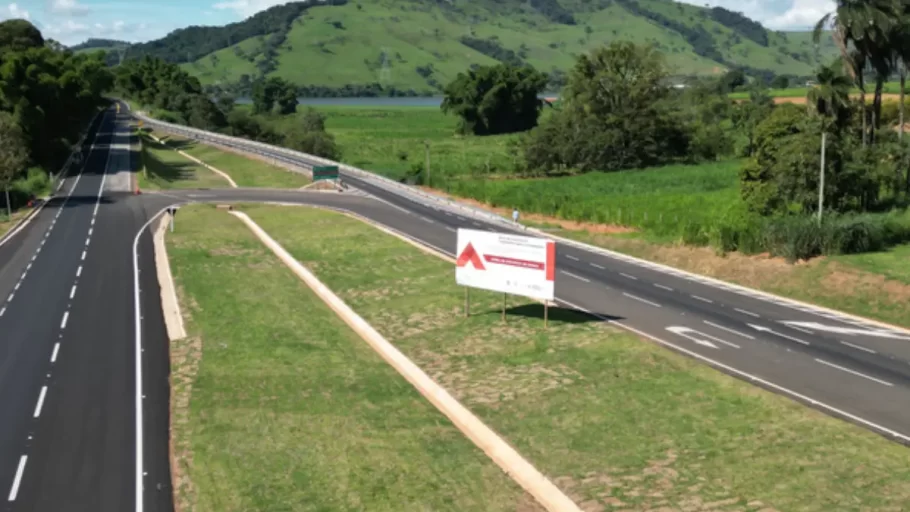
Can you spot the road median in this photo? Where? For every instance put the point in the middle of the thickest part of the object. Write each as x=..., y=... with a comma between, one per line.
x=614, y=421
x=279, y=405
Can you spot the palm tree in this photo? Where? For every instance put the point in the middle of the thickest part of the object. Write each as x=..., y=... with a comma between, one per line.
x=864, y=24
x=828, y=99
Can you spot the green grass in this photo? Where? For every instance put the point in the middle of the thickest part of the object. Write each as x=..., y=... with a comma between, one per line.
x=164, y=168
x=246, y=172
x=391, y=140
x=7, y=222
x=614, y=421
x=418, y=33
x=662, y=200
x=891, y=264
x=280, y=406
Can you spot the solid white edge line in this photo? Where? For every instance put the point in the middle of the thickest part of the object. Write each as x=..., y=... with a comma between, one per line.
x=858, y=347
x=746, y=312
x=575, y=276
x=66, y=316
x=639, y=299
x=733, y=331
x=14, y=490
x=138, y=361
x=40, y=403
x=54, y=354
x=754, y=378
x=854, y=372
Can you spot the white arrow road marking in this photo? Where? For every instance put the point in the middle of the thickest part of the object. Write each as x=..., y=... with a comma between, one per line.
x=698, y=336
x=766, y=329
x=875, y=333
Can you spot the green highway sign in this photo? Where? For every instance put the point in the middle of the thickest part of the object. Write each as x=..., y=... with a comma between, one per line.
x=325, y=172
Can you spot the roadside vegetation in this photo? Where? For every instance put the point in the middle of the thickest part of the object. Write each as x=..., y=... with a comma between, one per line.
x=164, y=167
x=614, y=421
x=294, y=411
x=47, y=98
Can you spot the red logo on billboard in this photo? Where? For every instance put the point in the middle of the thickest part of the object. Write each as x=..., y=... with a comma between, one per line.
x=469, y=254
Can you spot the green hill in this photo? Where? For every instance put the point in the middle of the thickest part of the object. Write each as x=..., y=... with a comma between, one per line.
x=422, y=44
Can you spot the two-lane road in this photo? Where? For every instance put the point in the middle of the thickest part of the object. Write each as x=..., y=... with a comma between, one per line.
x=67, y=382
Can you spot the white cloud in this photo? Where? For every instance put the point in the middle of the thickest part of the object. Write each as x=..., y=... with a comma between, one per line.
x=13, y=11
x=803, y=14
x=776, y=14
x=247, y=8
x=68, y=8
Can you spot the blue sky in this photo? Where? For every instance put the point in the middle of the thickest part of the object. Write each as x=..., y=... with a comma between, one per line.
x=73, y=21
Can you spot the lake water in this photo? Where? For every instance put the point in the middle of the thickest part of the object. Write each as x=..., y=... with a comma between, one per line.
x=434, y=101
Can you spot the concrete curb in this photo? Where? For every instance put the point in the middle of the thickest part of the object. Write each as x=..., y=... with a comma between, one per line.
x=170, y=306
x=483, y=437
x=200, y=162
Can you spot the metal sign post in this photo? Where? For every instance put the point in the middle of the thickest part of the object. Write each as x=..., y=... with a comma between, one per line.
x=172, y=211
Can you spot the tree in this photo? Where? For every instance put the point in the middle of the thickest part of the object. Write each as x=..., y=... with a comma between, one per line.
x=311, y=137
x=616, y=113
x=274, y=95
x=866, y=25
x=780, y=82
x=748, y=114
x=496, y=99
x=828, y=99
x=733, y=79
x=13, y=154
x=19, y=35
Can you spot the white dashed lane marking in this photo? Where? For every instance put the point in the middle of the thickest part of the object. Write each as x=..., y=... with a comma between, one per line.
x=639, y=299
x=854, y=372
x=40, y=403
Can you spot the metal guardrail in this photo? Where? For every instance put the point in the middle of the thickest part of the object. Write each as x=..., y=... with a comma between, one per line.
x=297, y=157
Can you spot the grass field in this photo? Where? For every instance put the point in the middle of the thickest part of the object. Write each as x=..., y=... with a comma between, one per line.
x=246, y=172
x=7, y=222
x=293, y=411
x=164, y=168
x=391, y=140
x=616, y=422
x=384, y=41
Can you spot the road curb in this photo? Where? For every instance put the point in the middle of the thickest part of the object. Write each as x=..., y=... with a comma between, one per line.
x=506, y=457
x=170, y=305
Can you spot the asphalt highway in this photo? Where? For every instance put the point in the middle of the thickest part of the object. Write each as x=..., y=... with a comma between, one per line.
x=67, y=382
x=856, y=370
x=84, y=358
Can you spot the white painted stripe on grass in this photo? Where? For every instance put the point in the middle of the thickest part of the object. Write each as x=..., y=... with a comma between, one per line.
x=504, y=455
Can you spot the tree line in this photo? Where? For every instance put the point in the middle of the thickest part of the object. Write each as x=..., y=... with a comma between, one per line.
x=47, y=95
x=814, y=177
x=176, y=96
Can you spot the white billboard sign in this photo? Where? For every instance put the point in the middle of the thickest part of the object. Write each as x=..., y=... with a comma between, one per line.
x=501, y=262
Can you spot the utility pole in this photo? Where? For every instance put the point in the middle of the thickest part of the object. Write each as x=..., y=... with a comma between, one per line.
x=821, y=181
x=427, y=146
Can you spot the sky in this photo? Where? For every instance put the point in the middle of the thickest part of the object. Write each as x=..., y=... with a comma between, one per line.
x=73, y=21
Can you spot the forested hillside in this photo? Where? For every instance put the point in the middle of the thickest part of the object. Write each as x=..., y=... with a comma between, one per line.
x=417, y=46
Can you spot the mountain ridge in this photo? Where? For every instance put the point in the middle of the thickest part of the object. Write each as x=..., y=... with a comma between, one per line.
x=419, y=45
